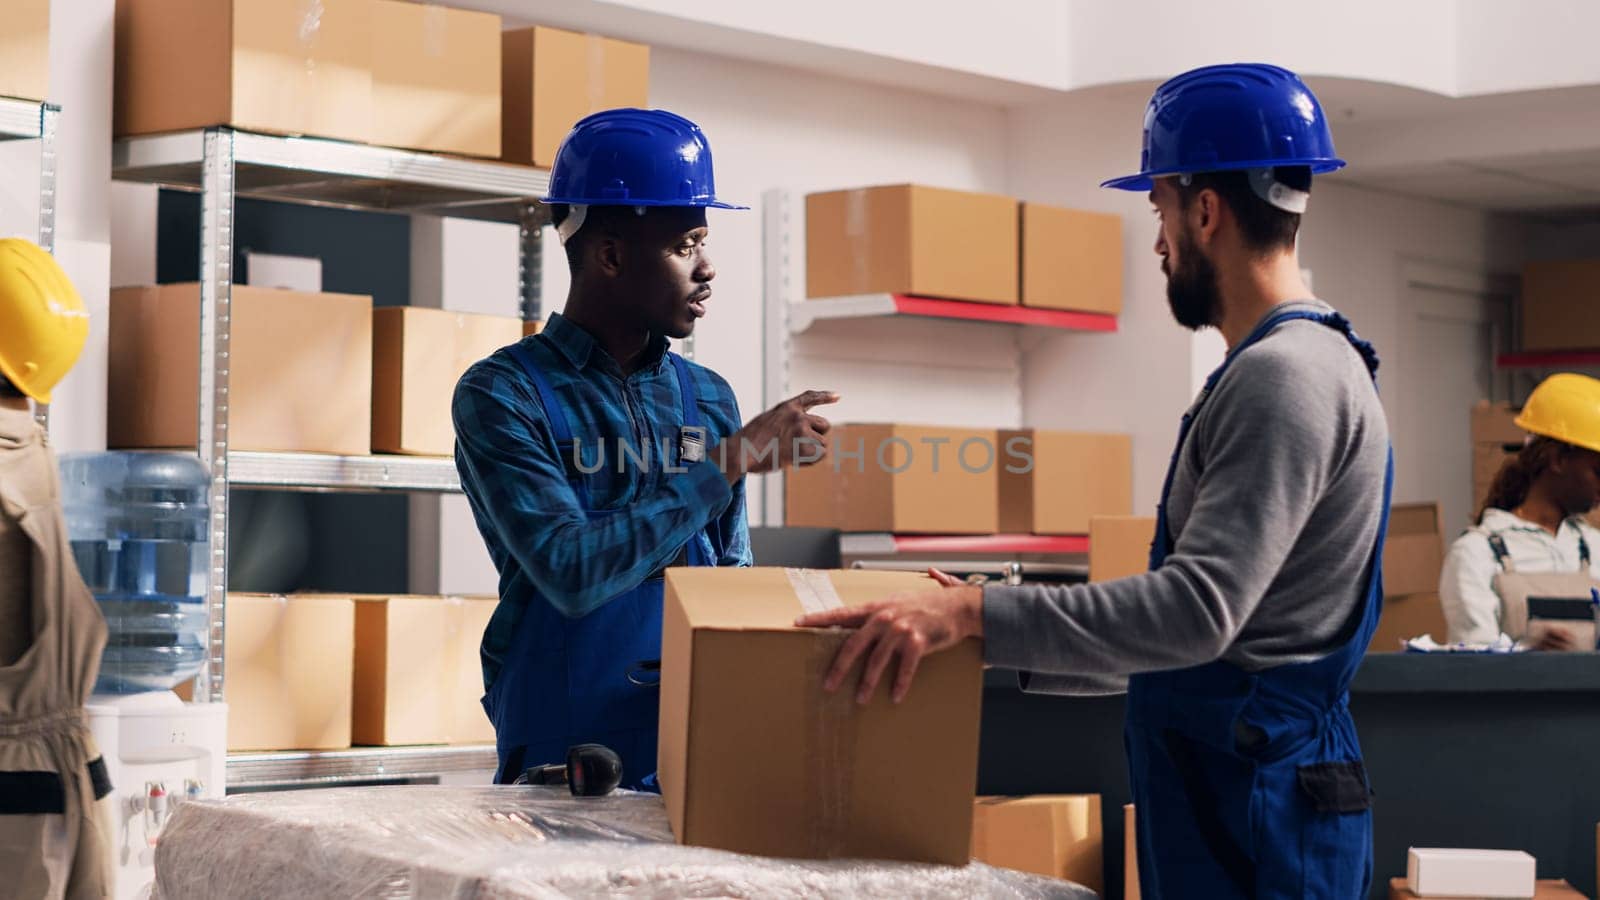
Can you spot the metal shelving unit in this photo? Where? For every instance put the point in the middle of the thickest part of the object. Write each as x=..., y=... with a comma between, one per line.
x=30, y=120
x=223, y=164
x=805, y=314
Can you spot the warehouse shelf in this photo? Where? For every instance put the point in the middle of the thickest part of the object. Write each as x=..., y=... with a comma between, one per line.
x=343, y=473
x=989, y=544
x=360, y=764
x=1549, y=359
x=804, y=314
x=24, y=119
x=324, y=172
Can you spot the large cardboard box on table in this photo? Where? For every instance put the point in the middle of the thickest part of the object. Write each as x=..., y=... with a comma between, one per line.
x=289, y=671
x=1071, y=259
x=275, y=66
x=553, y=78
x=300, y=380
x=418, y=355
x=417, y=677
x=435, y=78
x=1561, y=305
x=1413, y=556
x=1073, y=478
x=1119, y=546
x=1058, y=836
x=25, y=50
x=911, y=239
x=756, y=758
x=902, y=479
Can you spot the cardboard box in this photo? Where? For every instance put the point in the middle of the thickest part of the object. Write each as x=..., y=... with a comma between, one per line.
x=1406, y=616
x=1119, y=546
x=417, y=677
x=435, y=78
x=25, y=50
x=1130, y=854
x=1413, y=554
x=1561, y=305
x=553, y=78
x=909, y=239
x=772, y=765
x=1057, y=836
x=1495, y=423
x=275, y=66
x=1440, y=872
x=418, y=355
x=1071, y=259
x=530, y=329
x=289, y=671
x=1544, y=889
x=1074, y=478
x=301, y=377
x=901, y=479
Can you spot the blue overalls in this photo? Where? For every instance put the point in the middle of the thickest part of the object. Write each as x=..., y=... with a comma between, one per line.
x=1251, y=784
x=572, y=681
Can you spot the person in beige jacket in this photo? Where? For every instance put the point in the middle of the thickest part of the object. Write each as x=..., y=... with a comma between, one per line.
x=54, y=831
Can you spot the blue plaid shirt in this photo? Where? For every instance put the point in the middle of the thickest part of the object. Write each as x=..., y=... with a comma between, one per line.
x=543, y=544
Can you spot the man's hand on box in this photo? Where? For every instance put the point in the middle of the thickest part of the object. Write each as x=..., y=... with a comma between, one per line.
x=900, y=631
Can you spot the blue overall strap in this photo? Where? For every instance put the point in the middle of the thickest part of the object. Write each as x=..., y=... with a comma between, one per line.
x=691, y=402
x=556, y=416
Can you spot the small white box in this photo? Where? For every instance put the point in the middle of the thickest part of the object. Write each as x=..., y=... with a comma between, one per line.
x=1436, y=872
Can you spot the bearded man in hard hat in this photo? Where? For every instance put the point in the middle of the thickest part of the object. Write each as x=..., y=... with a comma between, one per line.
x=1264, y=584
x=54, y=835
x=594, y=458
x=1530, y=538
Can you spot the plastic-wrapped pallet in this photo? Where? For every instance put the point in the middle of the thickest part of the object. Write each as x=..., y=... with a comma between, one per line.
x=507, y=842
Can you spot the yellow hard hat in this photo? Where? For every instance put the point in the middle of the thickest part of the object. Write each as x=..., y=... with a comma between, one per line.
x=43, y=322
x=1565, y=406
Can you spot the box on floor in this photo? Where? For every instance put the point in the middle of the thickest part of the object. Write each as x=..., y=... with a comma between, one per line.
x=912, y=239
x=289, y=662
x=1073, y=478
x=300, y=380
x=1071, y=259
x=435, y=78
x=417, y=678
x=1058, y=836
x=275, y=66
x=552, y=78
x=418, y=355
x=25, y=50
x=776, y=767
x=902, y=479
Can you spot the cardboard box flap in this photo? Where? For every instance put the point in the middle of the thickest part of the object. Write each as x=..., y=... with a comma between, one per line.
x=770, y=599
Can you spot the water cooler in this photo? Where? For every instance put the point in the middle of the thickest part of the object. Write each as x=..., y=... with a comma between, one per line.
x=139, y=528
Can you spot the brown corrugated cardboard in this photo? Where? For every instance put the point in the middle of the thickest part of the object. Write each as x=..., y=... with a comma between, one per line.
x=1495, y=423
x=405, y=669
x=25, y=50
x=1130, y=855
x=301, y=376
x=1414, y=551
x=531, y=328
x=1119, y=546
x=1561, y=305
x=276, y=66
x=1057, y=836
x=1071, y=259
x=289, y=672
x=418, y=355
x=469, y=723
x=1074, y=477
x=772, y=765
x=812, y=494
x=553, y=78
x=435, y=78
x=1406, y=616
x=910, y=239
x=1544, y=889
x=916, y=479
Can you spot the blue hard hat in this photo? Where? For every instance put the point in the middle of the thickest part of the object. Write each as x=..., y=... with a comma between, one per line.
x=1224, y=118
x=635, y=157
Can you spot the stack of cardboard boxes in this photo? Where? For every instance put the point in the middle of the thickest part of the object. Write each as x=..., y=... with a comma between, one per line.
x=1413, y=556
x=389, y=72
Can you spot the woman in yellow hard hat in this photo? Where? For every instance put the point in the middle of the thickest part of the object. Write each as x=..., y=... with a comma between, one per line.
x=54, y=834
x=1531, y=539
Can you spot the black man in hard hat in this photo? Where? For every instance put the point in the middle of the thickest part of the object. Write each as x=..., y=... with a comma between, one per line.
x=1265, y=573
x=594, y=458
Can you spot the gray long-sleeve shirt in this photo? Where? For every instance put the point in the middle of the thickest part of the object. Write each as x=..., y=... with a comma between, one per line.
x=1274, y=509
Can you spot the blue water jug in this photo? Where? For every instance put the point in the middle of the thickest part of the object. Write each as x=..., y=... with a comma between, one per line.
x=138, y=525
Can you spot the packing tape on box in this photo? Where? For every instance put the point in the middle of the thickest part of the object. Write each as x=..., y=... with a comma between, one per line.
x=596, y=82
x=311, y=13
x=856, y=228
x=815, y=590
x=830, y=742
